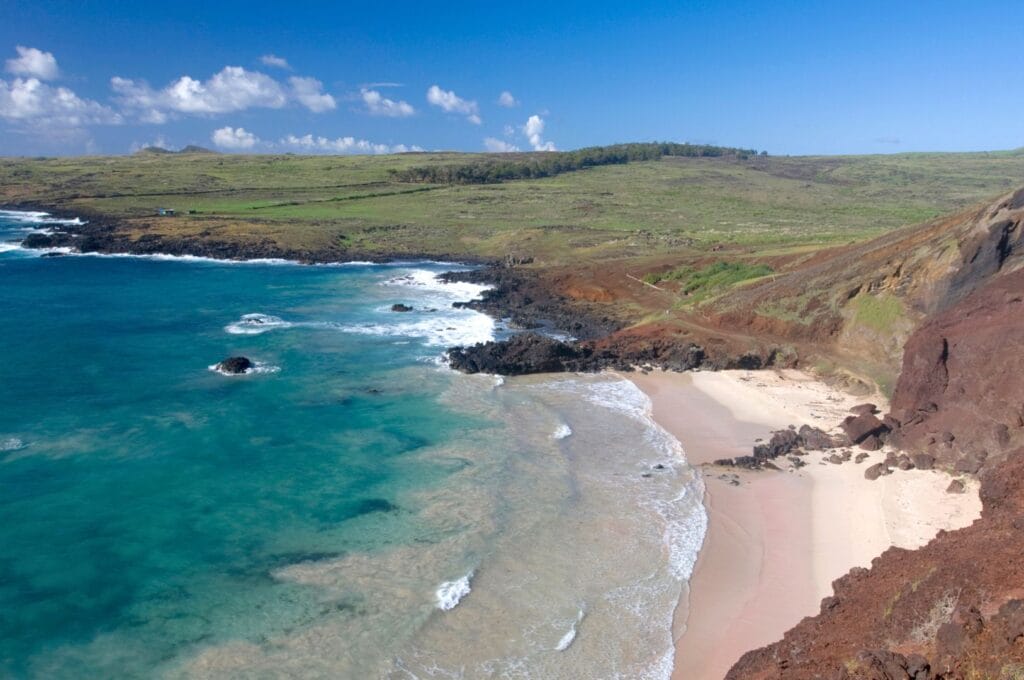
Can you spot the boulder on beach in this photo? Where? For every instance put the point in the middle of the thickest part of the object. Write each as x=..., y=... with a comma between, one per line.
x=860, y=427
x=235, y=365
x=864, y=410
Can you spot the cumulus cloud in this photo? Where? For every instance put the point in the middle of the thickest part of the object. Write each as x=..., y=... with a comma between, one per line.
x=34, y=105
x=533, y=130
x=275, y=61
x=452, y=103
x=235, y=139
x=341, y=145
x=499, y=145
x=34, y=63
x=309, y=92
x=379, y=105
x=507, y=100
x=233, y=88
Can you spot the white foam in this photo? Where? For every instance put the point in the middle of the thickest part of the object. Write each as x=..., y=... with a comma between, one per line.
x=12, y=444
x=258, y=367
x=425, y=280
x=561, y=432
x=568, y=638
x=685, y=519
x=36, y=217
x=445, y=330
x=9, y=246
x=254, y=324
x=450, y=593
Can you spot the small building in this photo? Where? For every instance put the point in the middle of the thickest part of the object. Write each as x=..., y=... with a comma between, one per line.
x=165, y=212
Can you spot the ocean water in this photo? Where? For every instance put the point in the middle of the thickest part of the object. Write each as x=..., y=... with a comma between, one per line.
x=349, y=509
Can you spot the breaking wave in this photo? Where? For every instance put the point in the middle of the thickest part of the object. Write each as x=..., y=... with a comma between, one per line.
x=450, y=593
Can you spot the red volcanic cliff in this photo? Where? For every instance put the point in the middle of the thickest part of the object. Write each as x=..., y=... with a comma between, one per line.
x=955, y=608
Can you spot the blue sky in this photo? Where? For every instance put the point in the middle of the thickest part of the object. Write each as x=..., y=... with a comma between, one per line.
x=788, y=77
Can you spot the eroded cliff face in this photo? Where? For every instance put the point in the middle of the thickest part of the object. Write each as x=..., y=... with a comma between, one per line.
x=955, y=608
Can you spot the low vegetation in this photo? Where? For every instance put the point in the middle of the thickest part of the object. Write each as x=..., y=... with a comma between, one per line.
x=505, y=167
x=701, y=283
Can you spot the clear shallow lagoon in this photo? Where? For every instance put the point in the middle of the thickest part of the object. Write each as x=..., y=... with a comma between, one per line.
x=353, y=509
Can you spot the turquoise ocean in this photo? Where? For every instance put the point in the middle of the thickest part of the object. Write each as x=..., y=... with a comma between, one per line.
x=349, y=509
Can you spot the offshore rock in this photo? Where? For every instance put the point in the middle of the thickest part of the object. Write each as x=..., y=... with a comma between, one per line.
x=235, y=365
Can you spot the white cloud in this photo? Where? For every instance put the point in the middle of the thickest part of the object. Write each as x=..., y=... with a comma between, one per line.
x=509, y=130
x=275, y=61
x=233, y=88
x=309, y=93
x=452, y=103
x=33, y=63
x=235, y=139
x=341, y=145
x=34, y=105
x=507, y=100
x=379, y=105
x=160, y=142
x=533, y=130
x=499, y=146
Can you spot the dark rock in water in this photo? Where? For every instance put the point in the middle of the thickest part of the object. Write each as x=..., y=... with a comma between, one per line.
x=864, y=410
x=956, y=486
x=235, y=365
x=521, y=354
x=859, y=428
x=52, y=255
x=371, y=505
x=400, y=308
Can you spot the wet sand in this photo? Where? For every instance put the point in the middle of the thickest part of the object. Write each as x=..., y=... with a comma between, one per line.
x=777, y=540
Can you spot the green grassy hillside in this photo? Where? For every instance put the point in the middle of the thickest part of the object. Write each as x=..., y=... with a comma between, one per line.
x=646, y=207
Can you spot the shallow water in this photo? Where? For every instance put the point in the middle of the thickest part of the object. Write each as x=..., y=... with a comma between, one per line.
x=353, y=509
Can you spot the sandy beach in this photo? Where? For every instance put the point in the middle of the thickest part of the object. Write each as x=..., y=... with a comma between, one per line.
x=777, y=540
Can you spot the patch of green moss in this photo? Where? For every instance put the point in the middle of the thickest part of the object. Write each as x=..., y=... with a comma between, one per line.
x=699, y=284
x=878, y=312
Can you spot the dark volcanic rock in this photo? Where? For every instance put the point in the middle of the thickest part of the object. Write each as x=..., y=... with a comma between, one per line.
x=872, y=443
x=859, y=428
x=399, y=307
x=781, y=443
x=923, y=461
x=956, y=486
x=876, y=471
x=816, y=439
x=864, y=410
x=521, y=354
x=235, y=365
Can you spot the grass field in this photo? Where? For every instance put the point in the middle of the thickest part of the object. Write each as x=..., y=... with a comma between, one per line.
x=771, y=204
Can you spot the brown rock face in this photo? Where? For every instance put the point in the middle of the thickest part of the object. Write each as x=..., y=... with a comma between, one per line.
x=962, y=385
x=955, y=608
x=952, y=609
